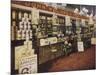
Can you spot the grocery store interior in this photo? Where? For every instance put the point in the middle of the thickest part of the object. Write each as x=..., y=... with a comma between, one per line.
x=52, y=37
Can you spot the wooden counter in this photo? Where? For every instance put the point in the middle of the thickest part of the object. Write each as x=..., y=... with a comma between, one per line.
x=49, y=52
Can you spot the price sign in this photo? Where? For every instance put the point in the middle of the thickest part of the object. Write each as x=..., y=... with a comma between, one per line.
x=93, y=41
x=80, y=47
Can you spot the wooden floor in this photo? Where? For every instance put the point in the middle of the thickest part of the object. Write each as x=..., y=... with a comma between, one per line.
x=76, y=61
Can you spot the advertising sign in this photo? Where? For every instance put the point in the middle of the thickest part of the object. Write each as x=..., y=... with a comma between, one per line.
x=28, y=65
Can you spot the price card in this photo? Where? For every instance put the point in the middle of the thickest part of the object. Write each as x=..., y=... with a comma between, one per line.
x=80, y=46
x=93, y=41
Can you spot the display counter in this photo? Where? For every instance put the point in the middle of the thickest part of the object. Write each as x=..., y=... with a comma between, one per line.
x=49, y=50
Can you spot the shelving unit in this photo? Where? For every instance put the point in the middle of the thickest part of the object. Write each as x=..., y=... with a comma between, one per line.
x=45, y=24
x=17, y=16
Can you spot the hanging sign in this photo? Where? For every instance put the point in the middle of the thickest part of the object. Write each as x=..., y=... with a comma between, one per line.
x=54, y=20
x=68, y=21
x=35, y=16
x=83, y=22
